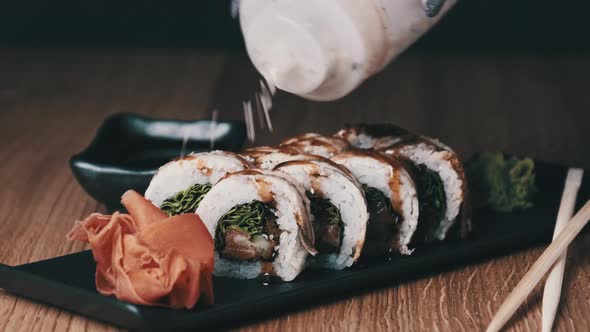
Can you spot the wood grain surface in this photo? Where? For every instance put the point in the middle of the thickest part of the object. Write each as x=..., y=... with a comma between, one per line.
x=52, y=101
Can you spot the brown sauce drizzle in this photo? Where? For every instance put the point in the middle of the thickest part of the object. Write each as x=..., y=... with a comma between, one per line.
x=316, y=190
x=202, y=166
x=287, y=150
x=243, y=172
x=305, y=159
x=396, y=166
x=264, y=188
x=411, y=139
x=265, y=150
x=302, y=143
x=305, y=146
x=264, y=191
x=394, y=186
x=297, y=162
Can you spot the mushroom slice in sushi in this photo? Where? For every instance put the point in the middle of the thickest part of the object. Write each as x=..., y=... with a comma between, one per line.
x=391, y=199
x=179, y=186
x=260, y=223
x=338, y=209
x=312, y=143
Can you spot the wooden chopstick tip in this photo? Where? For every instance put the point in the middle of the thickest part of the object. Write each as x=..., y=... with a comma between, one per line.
x=574, y=176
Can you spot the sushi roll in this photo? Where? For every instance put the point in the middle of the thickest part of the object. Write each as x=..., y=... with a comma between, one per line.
x=391, y=197
x=439, y=173
x=179, y=186
x=338, y=210
x=260, y=222
x=312, y=143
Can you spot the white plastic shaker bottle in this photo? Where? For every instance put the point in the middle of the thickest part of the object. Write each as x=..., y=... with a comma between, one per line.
x=324, y=49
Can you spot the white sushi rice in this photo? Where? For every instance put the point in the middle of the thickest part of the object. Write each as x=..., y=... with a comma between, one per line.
x=358, y=140
x=378, y=173
x=244, y=187
x=330, y=182
x=313, y=143
x=268, y=157
x=199, y=168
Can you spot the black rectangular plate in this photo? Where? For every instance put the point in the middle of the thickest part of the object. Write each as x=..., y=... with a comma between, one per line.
x=68, y=281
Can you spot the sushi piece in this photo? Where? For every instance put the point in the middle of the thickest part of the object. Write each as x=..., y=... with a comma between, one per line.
x=312, y=143
x=260, y=222
x=391, y=197
x=179, y=186
x=442, y=185
x=439, y=173
x=338, y=210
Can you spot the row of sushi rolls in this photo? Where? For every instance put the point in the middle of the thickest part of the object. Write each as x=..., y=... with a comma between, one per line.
x=319, y=201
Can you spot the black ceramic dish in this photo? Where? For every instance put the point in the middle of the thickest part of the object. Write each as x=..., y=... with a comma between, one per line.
x=68, y=281
x=128, y=149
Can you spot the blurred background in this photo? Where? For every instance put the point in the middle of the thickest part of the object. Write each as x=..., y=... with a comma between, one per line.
x=472, y=26
x=492, y=75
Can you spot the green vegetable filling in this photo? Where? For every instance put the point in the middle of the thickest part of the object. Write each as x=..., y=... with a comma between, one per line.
x=378, y=199
x=250, y=218
x=322, y=209
x=500, y=183
x=431, y=198
x=383, y=223
x=185, y=201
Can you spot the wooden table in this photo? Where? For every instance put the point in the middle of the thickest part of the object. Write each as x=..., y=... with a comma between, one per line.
x=51, y=102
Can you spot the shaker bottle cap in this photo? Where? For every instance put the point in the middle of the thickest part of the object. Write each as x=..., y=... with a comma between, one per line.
x=286, y=53
x=318, y=49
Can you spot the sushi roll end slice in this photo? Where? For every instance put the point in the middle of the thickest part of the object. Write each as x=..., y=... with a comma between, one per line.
x=260, y=223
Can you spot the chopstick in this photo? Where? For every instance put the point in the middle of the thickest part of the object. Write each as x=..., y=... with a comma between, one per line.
x=552, y=291
x=541, y=266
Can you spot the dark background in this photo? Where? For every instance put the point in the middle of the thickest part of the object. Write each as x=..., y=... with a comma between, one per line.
x=523, y=26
